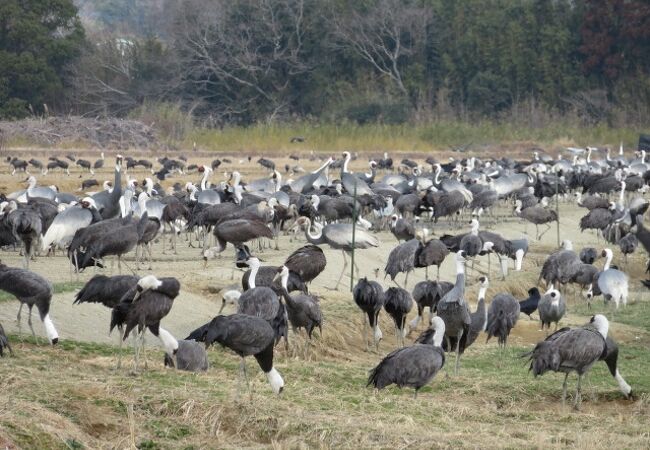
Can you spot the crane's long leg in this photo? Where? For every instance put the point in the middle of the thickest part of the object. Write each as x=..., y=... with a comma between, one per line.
x=566, y=376
x=119, y=354
x=29, y=321
x=548, y=227
x=537, y=231
x=345, y=265
x=18, y=318
x=365, y=328
x=578, y=401
x=406, y=280
x=457, y=368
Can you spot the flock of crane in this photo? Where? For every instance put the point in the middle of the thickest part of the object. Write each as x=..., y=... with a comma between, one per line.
x=342, y=210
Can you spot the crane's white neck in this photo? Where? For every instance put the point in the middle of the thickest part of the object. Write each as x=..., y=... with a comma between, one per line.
x=168, y=341
x=348, y=156
x=255, y=267
x=608, y=260
x=317, y=235
x=49, y=328
x=519, y=258
x=481, y=292
x=315, y=201
x=142, y=202
x=31, y=183
x=621, y=197
x=285, y=278
x=622, y=385
x=475, y=227
x=204, y=180
x=460, y=267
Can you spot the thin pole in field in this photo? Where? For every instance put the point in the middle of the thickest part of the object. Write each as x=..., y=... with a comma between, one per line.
x=354, y=229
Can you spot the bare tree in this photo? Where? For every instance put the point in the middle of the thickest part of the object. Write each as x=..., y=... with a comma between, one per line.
x=241, y=55
x=385, y=35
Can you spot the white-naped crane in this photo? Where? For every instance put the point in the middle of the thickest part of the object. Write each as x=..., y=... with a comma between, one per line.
x=339, y=237
x=30, y=289
x=67, y=222
x=303, y=310
x=247, y=336
x=413, y=366
x=574, y=350
x=144, y=306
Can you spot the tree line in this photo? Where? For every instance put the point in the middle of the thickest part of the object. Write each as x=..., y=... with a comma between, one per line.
x=388, y=61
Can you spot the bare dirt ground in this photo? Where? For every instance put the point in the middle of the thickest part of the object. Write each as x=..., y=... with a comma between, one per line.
x=340, y=353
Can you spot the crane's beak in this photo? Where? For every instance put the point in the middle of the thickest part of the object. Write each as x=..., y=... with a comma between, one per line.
x=277, y=277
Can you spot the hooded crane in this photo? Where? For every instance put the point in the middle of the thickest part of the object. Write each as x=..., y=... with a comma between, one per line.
x=613, y=283
x=262, y=301
x=247, y=336
x=369, y=297
x=30, y=289
x=144, y=306
x=105, y=290
x=308, y=262
x=402, y=229
x=529, y=305
x=433, y=253
x=428, y=294
x=551, y=308
x=237, y=232
x=502, y=317
x=4, y=343
x=402, y=259
x=571, y=350
x=339, y=237
x=26, y=225
x=413, y=366
x=398, y=303
x=303, y=310
x=452, y=309
x=119, y=241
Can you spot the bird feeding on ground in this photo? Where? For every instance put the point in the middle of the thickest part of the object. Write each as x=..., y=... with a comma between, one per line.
x=413, y=366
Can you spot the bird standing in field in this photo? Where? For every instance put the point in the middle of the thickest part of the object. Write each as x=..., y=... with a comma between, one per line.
x=398, y=303
x=529, y=305
x=144, y=306
x=247, y=336
x=30, y=289
x=413, y=366
x=452, y=309
x=369, y=297
x=502, y=317
x=571, y=350
x=551, y=308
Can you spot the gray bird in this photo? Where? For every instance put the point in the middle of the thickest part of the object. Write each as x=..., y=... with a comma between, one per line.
x=402, y=258
x=413, y=366
x=247, y=336
x=369, y=297
x=613, y=283
x=536, y=215
x=571, y=350
x=4, y=342
x=303, y=310
x=398, y=303
x=339, y=237
x=190, y=356
x=452, y=309
x=588, y=255
x=402, y=229
x=502, y=317
x=30, y=289
x=427, y=294
x=433, y=253
x=628, y=245
x=551, y=308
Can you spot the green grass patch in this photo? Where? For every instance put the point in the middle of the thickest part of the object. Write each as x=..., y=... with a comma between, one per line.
x=407, y=138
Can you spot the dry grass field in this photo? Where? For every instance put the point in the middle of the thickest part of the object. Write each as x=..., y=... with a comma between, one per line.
x=72, y=397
